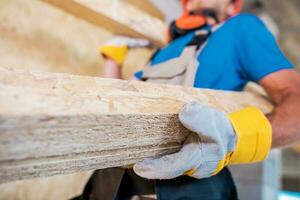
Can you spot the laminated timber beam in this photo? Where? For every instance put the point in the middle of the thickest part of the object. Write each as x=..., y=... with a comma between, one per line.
x=148, y=7
x=57, y=124
x=118, y=17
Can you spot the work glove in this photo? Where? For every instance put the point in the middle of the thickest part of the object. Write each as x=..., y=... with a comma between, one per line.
x=117, y=48
x=216, y=141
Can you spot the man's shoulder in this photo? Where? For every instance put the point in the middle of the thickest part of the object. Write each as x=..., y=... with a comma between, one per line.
x=244, y=20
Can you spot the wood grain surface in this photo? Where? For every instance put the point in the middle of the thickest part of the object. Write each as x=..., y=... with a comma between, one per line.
x=58, y=124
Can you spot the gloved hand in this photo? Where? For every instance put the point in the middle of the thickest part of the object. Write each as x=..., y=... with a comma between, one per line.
x=117, y=48
x=218, y=140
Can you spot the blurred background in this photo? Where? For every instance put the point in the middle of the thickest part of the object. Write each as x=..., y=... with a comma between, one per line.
x=36, y=35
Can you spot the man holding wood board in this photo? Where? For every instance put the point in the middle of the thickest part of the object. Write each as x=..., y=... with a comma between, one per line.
x=211, y=46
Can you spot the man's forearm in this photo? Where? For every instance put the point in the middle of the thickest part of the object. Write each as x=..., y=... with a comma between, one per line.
x=283, y=87
x=285, y=121
x=111, y=69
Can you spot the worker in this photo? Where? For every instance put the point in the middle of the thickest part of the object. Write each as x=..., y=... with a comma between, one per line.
x=211, y=46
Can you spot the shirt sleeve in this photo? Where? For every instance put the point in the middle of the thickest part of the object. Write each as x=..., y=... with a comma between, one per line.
x=138, y=75
x=258, y=52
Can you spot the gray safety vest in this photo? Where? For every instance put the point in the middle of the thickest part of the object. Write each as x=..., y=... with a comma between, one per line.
x=182, y=69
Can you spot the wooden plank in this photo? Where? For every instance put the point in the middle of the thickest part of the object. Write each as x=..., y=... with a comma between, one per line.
x=148, y=7
x=117, y=17
x=57, y=124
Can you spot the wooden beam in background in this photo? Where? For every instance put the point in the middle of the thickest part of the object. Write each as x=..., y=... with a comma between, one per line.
x=148, y=7
x=57, y=124
x=117, y=17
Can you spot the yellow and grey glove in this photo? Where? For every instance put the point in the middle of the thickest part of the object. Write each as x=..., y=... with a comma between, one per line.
x=117, y=48
x=217, y=140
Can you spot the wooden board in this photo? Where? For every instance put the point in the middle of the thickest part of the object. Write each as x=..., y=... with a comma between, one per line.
x=116, y=16
x=148, y=7
x=57, y=124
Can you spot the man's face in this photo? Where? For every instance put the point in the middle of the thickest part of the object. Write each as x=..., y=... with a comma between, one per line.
x=221, y=7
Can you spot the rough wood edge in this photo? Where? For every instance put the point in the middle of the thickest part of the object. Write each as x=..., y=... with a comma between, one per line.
x=54, y=124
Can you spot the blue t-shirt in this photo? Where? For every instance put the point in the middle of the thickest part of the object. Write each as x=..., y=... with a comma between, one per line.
x=240, y=51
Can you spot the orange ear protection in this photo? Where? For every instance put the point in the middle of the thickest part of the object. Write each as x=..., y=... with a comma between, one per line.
x=188, y=22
